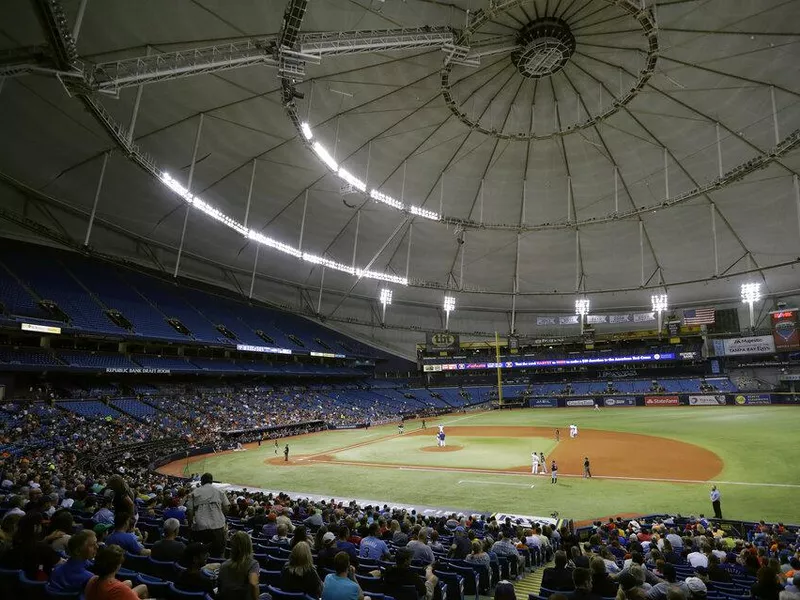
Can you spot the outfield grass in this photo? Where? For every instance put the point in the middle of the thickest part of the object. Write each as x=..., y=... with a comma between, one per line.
x=758, y=445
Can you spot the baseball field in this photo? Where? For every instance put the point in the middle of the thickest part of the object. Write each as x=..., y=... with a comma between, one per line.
x=643, y=460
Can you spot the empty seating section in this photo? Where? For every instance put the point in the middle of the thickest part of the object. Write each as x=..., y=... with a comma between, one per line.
x=48, y=278
x=92, y=409
x=77, y=358
x=163, y=362
x=167, y=299
x=210, y=364
x=84, y=288
x=134, y=407
x=28, y=357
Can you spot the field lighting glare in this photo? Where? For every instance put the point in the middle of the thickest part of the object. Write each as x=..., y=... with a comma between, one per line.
x=449, y=306
x=751, y=293
x=582, y=306
x=386, y=300
x=659, y=303
x=306, y=129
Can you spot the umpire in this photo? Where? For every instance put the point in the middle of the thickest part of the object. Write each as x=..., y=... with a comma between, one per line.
x=587, y=468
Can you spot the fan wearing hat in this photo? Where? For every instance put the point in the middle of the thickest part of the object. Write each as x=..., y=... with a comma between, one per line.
x=328, y=551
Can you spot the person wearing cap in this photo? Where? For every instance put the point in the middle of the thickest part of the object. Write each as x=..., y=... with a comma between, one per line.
x=101, y=530
x=400, y=575
x=205, y=509
x=169, y=548
x=461, y=546
x=328, y=552
x=270, y=528
x=192, y=579
x=73, y=575
x=696, y=589
x=341, y=585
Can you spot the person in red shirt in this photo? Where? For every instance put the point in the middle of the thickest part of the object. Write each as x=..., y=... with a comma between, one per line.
x=104, y=585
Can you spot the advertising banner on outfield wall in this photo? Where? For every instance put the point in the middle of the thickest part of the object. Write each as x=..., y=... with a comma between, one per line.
x=757, y=344
x=543, y=403
x=581, y=402
x=619, y=401
x=661, y=401
x=752, y=399
x=707, y=400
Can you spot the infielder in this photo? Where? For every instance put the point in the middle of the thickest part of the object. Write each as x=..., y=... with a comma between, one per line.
x=543, y=462
x=596, y=406
x=553, y=472
x=534, y=463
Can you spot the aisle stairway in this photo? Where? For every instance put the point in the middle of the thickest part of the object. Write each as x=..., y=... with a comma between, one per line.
x=531, y=583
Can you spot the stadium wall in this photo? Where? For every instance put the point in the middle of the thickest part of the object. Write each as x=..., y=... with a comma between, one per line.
x=661, y=400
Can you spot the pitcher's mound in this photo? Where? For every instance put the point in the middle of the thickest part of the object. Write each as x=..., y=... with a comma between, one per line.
x=445, y=449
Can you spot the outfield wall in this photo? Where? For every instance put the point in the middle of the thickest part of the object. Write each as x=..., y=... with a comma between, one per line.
x=695, y=399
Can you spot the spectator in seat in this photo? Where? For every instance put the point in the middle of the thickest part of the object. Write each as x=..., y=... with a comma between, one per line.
x=505, y=591
x=238, y=576
x=400, y=574
x=17, y=503
x=478, y=556
x=176, y=512
x=582, y=579
x=123, y=537
x=169, y=548
x=280, y=538
x=435, y=544
x=105, y=514
x=299, y=574
x=102, y=530
x=558, y=577
x=422, y=553
x=104, y=585
x=61, y=525
x=300, y=535
x=504, y=547
x=192, y=579
x=7, y=530
x=342, y=584
x=660, y=590
x=372, y=547
x=461, y=546
x=270, y=528
x=28, y=552
x=766, y=586
x=205, y=509
x=717, y=573
x=328, y=552
x=73, y=575
x=314, y=519
x=602, y=584
x=342, y=545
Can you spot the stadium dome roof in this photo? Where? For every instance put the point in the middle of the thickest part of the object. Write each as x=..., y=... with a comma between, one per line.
x=524, y=151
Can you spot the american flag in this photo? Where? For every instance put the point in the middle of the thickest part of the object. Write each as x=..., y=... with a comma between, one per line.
x=698, y=316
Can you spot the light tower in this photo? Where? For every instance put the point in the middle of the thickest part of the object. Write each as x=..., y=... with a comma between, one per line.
x=751, y=293
x=660, y=303
x=386, y=300
x=449, y=306
x=582, y=309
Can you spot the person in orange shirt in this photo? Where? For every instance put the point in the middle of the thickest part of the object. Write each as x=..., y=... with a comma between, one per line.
x=104, y=585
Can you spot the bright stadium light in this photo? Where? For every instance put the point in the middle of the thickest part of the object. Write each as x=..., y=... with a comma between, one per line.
x=424, y=213
x=386, y=300
x=751, y=293
x=306, y=129
x=660, y=303
x=582, y=309
x=449, y=306
x=325, y=156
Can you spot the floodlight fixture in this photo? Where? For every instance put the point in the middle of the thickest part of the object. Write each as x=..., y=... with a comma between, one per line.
x=449, y=306
x=325, y=156
x=306, y=129
x=386, y=300
x=659, y=302
x=582, y=309
x=751, y=293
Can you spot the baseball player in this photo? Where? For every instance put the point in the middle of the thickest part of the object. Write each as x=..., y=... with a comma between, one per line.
x=534, y=463
x=440, y=439
x=558, y=435
x=553, y=472
x=543, y=462
x=401, y=428
x=596, y=406
x=587, y=468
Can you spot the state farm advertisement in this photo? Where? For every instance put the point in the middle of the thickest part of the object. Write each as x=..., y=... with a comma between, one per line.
x=661, y=401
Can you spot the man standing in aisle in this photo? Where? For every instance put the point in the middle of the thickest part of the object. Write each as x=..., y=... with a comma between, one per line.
x=205, y=510
x=715, y=497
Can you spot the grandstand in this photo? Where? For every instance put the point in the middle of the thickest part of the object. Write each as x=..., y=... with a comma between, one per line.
x=501, y=296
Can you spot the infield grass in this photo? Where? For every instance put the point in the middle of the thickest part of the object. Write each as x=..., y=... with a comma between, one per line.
x=759, y=445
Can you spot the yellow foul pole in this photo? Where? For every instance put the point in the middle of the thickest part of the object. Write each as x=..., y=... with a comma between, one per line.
x=499, y=370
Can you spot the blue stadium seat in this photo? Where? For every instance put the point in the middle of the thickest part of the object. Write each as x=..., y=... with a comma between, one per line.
x=174, y=593
x=278, y=594
x=31, y=589
x=373, y=585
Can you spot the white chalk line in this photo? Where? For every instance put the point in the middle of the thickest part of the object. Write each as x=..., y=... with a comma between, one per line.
x=524, y=485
